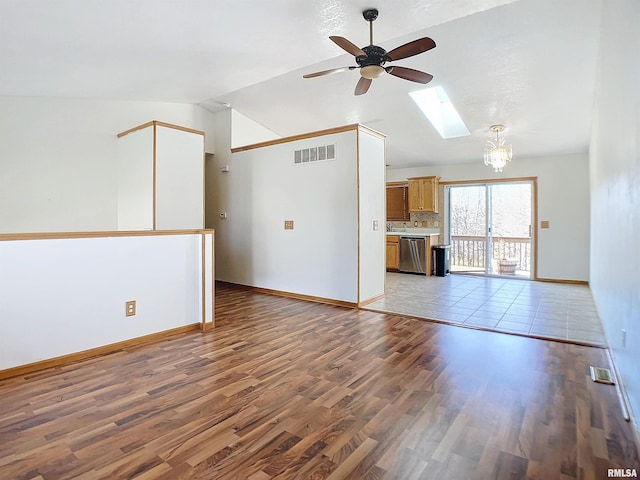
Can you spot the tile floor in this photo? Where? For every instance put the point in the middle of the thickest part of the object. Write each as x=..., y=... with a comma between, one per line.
x=538, y=309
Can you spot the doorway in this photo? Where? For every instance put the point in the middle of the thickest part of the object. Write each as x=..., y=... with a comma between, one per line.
x=489, y=228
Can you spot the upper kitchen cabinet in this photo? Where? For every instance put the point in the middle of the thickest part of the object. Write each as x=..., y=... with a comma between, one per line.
x=160, y=178
x=423, y=194
x=397, y=202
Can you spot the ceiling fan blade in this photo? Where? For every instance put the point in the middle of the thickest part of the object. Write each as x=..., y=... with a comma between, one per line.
x=410, y=49
x=347, y=46
x=362, y=86
x=327, y=72
x=410, y=74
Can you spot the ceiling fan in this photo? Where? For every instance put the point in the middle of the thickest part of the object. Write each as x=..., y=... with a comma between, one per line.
x=371, y=59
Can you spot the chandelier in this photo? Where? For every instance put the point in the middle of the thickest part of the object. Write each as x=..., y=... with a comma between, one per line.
x=497, y=154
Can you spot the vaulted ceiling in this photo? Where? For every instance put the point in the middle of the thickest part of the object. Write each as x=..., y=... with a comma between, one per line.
x=527, y=64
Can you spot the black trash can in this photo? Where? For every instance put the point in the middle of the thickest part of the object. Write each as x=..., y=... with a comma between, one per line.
x=442, y=260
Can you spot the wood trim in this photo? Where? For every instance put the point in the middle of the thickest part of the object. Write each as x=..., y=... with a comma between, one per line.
x=213, y=278
x=97, y=234
x=204, y=324
x=161, y=124
x=135, y=129
x=397, y=184
x=203, y=281
x=204, y=184
x=620, y=390
x=371, y=131
x=488, y=180
x=534, y=228
x=371, y=300
x=297, y=296
x=178, y=127
x=293, y=138
x=93, y=352
x=558, y=280
x=154, y=173
x=358, y=218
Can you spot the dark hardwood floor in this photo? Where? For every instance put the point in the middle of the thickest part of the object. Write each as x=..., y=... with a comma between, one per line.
x=291, y=389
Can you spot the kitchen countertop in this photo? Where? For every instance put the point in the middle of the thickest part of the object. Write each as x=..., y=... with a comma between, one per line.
x=416, y=232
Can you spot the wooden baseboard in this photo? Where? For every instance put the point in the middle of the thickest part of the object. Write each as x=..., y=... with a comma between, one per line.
x=558, y=280
x=207, y=326
x=370, y=300
x=297, y=296
x=93, y=352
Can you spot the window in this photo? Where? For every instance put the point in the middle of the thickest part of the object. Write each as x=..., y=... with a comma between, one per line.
x=398, y=202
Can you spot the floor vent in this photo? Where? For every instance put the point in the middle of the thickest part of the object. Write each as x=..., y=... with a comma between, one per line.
x=314, y=154
x=601, y=375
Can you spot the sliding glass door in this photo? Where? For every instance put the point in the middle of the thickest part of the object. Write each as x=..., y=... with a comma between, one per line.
x=489, y=228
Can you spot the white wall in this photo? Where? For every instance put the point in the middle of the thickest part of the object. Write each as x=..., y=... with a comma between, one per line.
x=615, y=191
x=563, y=200
x=245, y=131
x=179, y=179
x=263, y=189
x=372, y=206
x=63, y=296
x=58, y=158
x=134, y=180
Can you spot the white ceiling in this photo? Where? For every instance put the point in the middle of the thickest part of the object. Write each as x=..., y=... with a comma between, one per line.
x=528, y=64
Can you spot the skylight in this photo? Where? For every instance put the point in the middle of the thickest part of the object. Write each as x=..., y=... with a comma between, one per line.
x=437, y=107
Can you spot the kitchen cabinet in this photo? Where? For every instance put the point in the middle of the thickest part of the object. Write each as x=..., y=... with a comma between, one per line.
x=432, y=240
x=393, y=252
x=397, y=202
x=424, y=257
x=423, y=194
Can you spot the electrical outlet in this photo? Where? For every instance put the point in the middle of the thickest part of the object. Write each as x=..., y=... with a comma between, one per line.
x=130, y=308
x=288, y=224
x=436, y=223
x=375, y=225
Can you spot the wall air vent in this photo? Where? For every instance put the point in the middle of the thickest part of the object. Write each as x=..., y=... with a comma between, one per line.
x=314, y=155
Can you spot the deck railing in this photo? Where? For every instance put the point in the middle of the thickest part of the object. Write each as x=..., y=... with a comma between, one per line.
x=469, y=251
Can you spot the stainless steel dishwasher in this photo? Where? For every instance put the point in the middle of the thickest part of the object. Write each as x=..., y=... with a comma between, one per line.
x=412, y=254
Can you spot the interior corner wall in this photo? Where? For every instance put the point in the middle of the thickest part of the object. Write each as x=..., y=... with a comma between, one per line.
x=372, y=216
x=245, y=131
x=59, y=168
x=216, y=191
x=263, y=189
x=615, y=192
x=563, y=200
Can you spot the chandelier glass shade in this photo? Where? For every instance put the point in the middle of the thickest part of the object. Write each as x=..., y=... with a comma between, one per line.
x=497, y=154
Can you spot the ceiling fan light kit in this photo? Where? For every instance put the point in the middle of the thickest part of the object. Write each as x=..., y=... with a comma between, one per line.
x=497, y=154
x=371, y=71
x=371, y=59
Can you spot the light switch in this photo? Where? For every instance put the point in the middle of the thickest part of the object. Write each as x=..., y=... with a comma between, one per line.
x=544, y=224
x=288, y=224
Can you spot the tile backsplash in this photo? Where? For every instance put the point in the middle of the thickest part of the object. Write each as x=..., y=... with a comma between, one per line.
x=425, y=219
